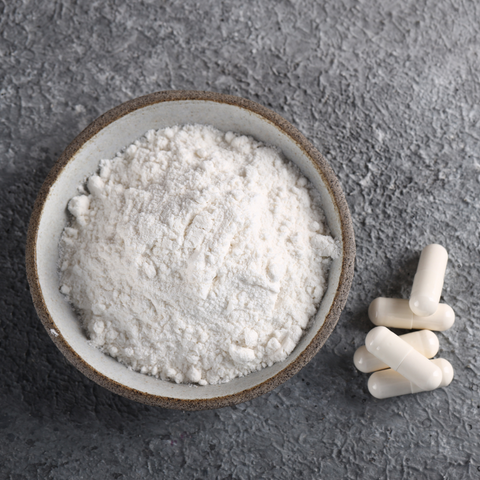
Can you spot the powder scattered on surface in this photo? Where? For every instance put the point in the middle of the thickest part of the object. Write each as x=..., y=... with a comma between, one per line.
x=195, y=255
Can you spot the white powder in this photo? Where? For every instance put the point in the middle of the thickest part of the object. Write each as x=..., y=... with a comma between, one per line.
x=196, y=256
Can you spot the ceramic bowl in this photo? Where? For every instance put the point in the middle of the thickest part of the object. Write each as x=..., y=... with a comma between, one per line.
x=107, y=135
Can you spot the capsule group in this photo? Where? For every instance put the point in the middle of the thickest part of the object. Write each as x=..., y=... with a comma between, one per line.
x=401, y=364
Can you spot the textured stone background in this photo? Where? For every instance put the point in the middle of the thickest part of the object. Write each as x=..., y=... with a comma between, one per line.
x=389, y=91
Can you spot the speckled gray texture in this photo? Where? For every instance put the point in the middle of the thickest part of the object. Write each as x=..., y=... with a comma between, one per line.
x=390, y=93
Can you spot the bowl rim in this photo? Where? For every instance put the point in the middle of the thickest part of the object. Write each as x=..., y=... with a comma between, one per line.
x=331, y=183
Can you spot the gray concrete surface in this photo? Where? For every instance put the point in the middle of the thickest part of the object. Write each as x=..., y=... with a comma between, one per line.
x=389, y=91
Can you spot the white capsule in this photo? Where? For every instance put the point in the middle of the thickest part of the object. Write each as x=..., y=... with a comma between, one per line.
x=423, y=341
x=428, y=281
x=389, y=383
x=396, y=313
x=402, y=357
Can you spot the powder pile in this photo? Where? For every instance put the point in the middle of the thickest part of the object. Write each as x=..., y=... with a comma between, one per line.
x=196, y=256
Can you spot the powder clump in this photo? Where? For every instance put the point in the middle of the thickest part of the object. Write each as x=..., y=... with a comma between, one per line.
x=195, y=255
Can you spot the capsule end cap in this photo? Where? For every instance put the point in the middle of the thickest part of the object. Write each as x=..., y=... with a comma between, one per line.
x=447, y=371
x=423, y=305
x=434, y=380
x=375, y=338
x=373, y=311
x=448, y=317
x=432, y=343
x=373, y=387
x=358, y=359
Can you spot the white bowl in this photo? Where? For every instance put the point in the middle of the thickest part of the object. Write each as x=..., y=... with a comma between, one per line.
x=102, y=139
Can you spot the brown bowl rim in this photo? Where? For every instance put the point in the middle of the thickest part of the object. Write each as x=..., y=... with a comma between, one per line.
x=331, y=182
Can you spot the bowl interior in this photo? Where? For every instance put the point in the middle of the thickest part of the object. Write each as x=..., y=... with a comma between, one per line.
x=105, y=144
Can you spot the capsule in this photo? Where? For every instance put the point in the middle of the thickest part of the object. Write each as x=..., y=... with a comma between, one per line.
x=402, y=357
x=396, y=313
x=423, y=341
x=389, y=383
x=428, y=281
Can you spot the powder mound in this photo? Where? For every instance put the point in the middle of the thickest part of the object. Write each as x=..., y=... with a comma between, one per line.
x=195, y=255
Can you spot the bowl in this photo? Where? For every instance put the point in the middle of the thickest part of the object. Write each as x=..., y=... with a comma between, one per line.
x=107, y=135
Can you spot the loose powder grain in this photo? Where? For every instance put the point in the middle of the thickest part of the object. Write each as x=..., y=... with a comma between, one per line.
x=195, y=255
